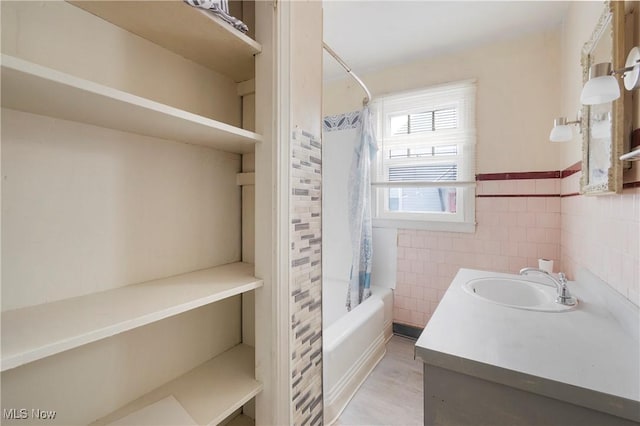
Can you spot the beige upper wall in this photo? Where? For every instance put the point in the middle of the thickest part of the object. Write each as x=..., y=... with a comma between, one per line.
x=517, y=97
x=306, y=86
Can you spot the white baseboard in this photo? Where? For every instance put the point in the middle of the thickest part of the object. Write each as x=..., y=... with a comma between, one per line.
x=336, y=399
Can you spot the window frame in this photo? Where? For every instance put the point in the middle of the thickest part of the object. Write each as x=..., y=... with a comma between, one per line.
x=412, y=102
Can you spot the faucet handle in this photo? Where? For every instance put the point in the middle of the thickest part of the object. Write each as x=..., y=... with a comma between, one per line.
x=565, y=296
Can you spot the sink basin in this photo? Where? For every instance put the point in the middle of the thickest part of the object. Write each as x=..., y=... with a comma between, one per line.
x=516, y=293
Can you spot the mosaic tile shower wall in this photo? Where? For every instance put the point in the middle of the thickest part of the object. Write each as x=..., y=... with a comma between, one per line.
x=306, y=278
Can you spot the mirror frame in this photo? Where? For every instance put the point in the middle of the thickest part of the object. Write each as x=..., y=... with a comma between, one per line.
x=613, y=13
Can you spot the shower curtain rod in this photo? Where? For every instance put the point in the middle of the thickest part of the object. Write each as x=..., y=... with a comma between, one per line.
x=331, y=52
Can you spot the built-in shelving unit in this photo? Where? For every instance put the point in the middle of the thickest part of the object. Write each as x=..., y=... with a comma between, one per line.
x=40, y=90
x=631, y=156
x=193, y=33
x=210, y=392
x=35, y=332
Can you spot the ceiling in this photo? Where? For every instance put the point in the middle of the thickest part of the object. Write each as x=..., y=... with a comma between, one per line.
x=372, y=34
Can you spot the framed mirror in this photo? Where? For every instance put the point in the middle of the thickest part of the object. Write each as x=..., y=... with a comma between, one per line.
x=602, y=124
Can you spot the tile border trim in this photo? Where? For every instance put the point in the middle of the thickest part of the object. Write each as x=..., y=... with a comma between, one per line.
x=547, y=174
x=515, y=195
x=348, y=120
x=550, y=174
x=574, y=168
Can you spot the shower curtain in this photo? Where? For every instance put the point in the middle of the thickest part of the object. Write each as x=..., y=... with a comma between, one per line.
x=359, y=191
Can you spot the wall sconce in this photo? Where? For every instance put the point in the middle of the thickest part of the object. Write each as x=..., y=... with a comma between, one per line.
x=561, y=131
x=602, y=85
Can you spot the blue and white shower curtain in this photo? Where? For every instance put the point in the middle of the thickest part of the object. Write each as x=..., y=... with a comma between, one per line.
x=360, y=212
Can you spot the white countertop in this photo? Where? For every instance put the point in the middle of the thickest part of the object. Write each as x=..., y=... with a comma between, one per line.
x=584, y=356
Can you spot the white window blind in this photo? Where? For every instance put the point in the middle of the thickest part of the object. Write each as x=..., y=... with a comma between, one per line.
x=426, y=143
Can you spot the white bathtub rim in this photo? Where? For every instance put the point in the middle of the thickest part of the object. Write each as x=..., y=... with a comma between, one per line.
x=337, y=398
x=377, y=292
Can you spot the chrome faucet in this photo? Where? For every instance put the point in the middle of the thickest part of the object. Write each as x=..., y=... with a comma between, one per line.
x=564, y=296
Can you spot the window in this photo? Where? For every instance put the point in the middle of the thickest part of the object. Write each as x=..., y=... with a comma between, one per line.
x=425, y=172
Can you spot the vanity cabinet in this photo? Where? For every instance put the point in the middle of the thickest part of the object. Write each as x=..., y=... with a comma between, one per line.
x=487, y=363
x=123, y=275
x=453, y=398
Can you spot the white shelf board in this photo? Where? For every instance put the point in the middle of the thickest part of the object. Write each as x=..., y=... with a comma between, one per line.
x=210, y=392
x=193, y=33
x=40, y=90
x=631, y=156
x=36, y=332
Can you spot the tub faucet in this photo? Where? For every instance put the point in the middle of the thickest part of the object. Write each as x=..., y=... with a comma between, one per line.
x=564, y=296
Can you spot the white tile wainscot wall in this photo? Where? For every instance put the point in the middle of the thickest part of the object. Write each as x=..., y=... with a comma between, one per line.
x=602, y=234
x=512, y=233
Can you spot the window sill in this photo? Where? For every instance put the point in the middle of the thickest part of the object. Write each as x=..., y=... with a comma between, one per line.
x=463, y=227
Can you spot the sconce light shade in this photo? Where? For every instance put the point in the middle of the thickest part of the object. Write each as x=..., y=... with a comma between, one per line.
x=561, y=131
x=601, y=87
x=632, y=73
x=560, y=134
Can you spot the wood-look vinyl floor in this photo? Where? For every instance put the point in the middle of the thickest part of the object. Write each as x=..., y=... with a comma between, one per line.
x=392, y=394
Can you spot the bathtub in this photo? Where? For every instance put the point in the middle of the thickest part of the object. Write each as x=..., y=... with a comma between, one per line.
x=353, y=342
